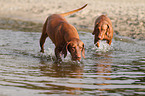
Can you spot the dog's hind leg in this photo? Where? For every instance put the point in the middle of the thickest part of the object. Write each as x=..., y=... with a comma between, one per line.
x=42, y=41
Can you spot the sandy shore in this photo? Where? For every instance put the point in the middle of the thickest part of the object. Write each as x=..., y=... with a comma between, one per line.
x=127, y=16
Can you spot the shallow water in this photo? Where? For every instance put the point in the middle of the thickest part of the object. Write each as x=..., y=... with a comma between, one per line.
x=115, y=70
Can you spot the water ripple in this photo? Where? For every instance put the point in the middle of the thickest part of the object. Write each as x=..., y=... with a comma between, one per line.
x=109, y=70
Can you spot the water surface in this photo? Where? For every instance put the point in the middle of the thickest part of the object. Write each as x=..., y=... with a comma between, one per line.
x=115, y=70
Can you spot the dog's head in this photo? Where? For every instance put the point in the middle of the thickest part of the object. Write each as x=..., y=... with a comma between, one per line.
x=75, y=47
x=100, y=30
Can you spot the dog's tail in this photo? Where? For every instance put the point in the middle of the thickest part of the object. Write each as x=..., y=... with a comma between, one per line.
x=71, y=12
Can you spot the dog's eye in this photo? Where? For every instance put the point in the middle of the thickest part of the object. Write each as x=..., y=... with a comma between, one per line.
x=103, y=29
x=80, y=47
x=73, y=48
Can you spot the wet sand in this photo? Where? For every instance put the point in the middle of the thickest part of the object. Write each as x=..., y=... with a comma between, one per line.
x=127, y=16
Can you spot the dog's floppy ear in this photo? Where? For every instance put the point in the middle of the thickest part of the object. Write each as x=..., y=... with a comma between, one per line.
x=64, y=50
x=109, y=30
x=83, y=51
x=94, y=31
x=95, y=28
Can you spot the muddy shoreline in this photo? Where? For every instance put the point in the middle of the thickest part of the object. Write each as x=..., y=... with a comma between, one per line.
x=19, y=25
x=29, y=26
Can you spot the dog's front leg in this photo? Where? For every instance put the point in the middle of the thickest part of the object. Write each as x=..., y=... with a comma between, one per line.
x=57, y=54
x=109, y=40
x=96, y=42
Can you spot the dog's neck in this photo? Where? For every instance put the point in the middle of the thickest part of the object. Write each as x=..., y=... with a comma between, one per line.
x=72, y=39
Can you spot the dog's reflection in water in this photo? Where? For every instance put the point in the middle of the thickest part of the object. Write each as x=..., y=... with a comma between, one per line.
x=69, y=74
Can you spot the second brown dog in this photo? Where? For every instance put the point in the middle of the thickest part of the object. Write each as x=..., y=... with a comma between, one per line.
x=103, y=30
x=63, y=35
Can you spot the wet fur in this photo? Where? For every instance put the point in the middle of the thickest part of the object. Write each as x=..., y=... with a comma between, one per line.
x=63, y=35
x=108, y=35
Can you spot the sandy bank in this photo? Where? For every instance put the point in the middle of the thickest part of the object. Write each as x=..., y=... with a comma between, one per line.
x=127, y=16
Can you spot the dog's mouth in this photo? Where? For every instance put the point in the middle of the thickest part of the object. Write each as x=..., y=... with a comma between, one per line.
x=100, y=37
x=76, y=58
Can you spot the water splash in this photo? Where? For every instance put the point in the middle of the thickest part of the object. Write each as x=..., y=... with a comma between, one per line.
x=104, y=47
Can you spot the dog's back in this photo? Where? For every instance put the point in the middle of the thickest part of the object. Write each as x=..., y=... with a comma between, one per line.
x=59, y=30
x=103, y=18
x=53, y=24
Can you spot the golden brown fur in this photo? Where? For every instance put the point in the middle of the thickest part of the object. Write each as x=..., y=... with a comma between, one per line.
x=63, y=35
x=103, y=30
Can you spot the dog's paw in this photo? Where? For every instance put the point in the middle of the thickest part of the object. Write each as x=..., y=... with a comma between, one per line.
x=42, y=51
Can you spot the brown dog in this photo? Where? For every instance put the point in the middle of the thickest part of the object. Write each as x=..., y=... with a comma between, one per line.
x=103, y=30
x=63, y=35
